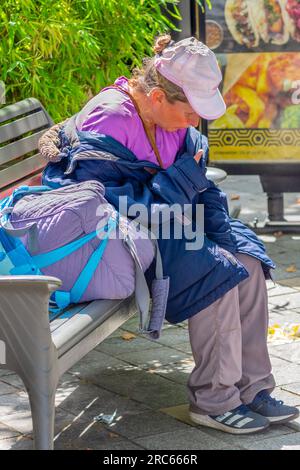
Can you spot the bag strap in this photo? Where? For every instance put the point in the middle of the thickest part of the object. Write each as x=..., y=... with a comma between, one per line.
x=44, y=260
x=7, y=206
x=142, y=293
x=30, y=230
x=62, y=298
x=146, y=128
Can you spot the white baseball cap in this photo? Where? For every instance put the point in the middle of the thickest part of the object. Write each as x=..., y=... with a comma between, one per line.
x=192, y=66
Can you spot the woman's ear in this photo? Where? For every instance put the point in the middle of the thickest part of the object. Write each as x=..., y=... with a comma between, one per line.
x=157, y=96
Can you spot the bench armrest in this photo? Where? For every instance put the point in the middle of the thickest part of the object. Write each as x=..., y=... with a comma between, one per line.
x=53, y=282
x=216, y=175
x=24, y=322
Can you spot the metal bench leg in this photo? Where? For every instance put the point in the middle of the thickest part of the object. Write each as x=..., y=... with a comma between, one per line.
x=43, y=413
x=30, y=352
x=276, y=206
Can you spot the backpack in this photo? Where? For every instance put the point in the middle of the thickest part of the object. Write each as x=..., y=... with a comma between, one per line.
x=57, y=232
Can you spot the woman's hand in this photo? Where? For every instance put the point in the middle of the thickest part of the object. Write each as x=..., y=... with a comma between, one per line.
x=198, y=156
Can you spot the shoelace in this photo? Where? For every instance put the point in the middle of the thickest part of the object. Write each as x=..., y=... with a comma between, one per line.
x=268, y=399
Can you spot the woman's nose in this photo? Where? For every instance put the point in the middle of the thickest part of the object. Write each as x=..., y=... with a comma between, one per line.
x=194, y=121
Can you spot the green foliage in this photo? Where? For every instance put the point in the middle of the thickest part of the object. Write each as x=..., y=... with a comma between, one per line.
x=203, y=2
x=64, y=51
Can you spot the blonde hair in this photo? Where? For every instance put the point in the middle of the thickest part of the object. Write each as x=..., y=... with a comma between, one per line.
x=148, y=77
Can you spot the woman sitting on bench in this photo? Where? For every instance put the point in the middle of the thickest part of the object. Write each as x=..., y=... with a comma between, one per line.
x=138, y=138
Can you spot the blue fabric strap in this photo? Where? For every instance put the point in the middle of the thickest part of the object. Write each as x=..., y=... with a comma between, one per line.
x=87, y=273
x=21, y=191
x=24, y=263
x=46, y=259
x=62, y=298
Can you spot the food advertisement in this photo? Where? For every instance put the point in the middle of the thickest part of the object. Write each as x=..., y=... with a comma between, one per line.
x=257, y=43
x=253, y=25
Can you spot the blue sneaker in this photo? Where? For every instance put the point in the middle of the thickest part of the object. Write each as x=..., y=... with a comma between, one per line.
x=274, y=410
x=240, y=420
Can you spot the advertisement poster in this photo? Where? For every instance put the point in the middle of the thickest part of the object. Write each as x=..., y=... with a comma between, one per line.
x=257, y=43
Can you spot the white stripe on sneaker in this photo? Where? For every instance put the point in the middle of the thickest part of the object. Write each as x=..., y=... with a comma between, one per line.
x=233, y=419
x=224, y=416
x=242, y=422
x=205, y=420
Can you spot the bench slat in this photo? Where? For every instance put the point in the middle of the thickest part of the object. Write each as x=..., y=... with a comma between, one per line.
x=35, y=180
x=58, y=320
x=71, y=352
x=21, y=126
x=13, y=110
x=19, y=148
x=15, y=172
x=87, y=320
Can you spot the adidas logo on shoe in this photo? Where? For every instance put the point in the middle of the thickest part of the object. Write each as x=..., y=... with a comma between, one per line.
x=240, y=420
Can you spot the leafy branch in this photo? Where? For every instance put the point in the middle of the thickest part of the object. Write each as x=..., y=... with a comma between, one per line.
x=64, y=51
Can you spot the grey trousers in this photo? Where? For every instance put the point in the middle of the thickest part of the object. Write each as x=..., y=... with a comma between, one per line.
x=229, y=345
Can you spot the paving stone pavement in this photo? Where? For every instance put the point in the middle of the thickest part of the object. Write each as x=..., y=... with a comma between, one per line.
x=145, y=381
